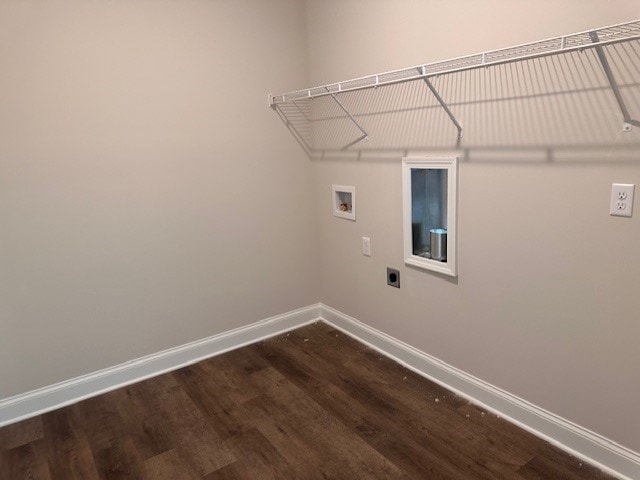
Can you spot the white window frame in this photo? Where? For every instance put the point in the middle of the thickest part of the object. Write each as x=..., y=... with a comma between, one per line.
x=451, y=165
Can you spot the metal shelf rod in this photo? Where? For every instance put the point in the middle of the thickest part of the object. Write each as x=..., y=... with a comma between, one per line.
x=365, y=135
x=444, y=105
x=628, y=121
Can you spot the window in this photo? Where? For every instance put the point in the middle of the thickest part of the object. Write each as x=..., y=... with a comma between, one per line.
x=429, y=188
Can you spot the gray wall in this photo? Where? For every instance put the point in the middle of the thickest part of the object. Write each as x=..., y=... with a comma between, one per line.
x=546, y=302
x=148, y=196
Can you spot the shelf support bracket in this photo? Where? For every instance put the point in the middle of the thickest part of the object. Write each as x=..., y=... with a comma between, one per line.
x=365, y=135
x=442, y=103
x=299, y=138
x=628, y=121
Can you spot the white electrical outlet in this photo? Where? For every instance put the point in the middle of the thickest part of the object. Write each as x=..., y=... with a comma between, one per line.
x=621, y=199
x=366, y=246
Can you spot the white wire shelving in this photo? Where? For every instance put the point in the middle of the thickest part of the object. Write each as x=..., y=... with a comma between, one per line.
x=576, y=41
x=597, y=39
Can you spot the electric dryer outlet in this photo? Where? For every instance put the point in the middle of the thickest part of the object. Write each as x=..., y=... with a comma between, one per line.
x=393, y=277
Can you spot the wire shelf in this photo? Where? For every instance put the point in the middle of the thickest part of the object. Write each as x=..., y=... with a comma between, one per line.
x=576, y=41
x=569, y=90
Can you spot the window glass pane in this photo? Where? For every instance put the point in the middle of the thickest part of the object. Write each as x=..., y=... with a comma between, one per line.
x=428, y=206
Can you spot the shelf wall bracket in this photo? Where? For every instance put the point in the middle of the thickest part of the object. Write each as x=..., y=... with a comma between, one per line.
x=294, y=131
x=443, y=104
x=364, y=136
x=628, y=121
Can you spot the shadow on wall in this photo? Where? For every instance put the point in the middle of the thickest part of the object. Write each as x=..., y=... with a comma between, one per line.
x=544, y=109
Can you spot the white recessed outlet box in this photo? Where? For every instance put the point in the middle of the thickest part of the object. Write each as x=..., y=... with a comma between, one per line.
x=622, y=199
x=343, y=199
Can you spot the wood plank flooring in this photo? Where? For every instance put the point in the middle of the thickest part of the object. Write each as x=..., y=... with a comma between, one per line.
x=310, y=404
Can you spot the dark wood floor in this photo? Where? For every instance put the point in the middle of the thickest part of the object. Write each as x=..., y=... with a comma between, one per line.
x=311, y=404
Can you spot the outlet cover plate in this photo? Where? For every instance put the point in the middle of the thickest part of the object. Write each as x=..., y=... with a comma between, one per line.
x=366, y=246
x=621, y=199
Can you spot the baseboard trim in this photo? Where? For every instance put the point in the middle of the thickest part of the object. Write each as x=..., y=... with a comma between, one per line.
x=579, y=441
x=36, y=402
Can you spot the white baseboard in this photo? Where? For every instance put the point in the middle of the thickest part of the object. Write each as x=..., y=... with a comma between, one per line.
x=36, y=402
x=581, y=442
